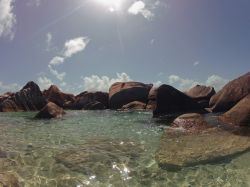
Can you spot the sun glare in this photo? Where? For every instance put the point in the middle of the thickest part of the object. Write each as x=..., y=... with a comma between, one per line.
x=111, y=5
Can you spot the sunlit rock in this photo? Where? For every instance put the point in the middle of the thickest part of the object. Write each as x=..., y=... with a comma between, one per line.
x=239, y=115
x=230, y=94
x=51, y=110
x=122, y=93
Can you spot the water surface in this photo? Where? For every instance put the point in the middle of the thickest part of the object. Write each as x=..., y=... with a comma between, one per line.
x=100, y=148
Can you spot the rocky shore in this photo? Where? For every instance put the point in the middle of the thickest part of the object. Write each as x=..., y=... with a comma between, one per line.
x=190, y=139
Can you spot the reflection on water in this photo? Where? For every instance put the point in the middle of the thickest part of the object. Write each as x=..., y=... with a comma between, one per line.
x=106, y=148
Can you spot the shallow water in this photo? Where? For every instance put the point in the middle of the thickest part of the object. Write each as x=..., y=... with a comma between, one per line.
x=100, y=148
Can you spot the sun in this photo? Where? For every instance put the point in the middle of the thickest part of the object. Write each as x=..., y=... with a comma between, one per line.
x=111, y=5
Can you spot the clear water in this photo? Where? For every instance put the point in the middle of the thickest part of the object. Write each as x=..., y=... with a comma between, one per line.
x=100, y=148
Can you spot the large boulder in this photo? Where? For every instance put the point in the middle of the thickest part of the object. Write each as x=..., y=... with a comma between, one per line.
x=55, y=95
x=198, y=142
x=135, y=105
x=51, y=110
x=29, y=98
x=170, y=101
x=201, y=94
x=230, y=94
x=122, y=93
x=90, y=101
x=239, y=115
x=8, y=180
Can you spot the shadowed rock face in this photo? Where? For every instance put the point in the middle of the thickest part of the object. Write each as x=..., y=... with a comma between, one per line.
x=55, y=95
x=239, y=115
x=171, y=101
x=135, y=105
x=230, y=94
x=8, y=180
x=122, y=93
x=51, y=110
x=198, y=142
x=90, y=101
x=29, y=98
x=151, y=105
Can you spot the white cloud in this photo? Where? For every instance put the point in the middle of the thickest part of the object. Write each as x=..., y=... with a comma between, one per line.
x=44, y=82
x=139, y=7
x=49, y=38
x=9, y=87
x=184, y=84
x=56, y=61
x=75, y=45
x=181, y=83
x=71, y=47
x=7, y=18
x=96, y=83
x=216, y=81
x=196, y=63
x=59, y=76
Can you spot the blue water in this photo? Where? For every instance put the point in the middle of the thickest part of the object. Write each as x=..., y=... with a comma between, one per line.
x=100, y=148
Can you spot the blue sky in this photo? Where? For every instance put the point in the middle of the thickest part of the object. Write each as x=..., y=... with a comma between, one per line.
x=89, y=44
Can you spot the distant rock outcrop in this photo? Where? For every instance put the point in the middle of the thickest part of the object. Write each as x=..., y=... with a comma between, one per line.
x=201, y=94
x=239, y=115
x=230, y=94
x=55, y=95
x=122, y=93
x=29, y=98
x=89, y=101
x=135, y=105
x=51, y=110
x=170, y=101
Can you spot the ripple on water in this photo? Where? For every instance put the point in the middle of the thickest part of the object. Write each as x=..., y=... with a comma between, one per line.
x=100, y=148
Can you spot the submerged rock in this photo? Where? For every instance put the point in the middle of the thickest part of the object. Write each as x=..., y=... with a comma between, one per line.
x=191, y=122
x=55, y=95
x=182, y=148
x=8, y=180
x=230, y=94
x=122, y=93
x=171, y=101
x=101, y=157
x=135, y=105
x=239, y=115
x=51, y=110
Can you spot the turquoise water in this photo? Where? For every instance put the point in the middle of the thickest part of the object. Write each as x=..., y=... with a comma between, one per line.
x=100, y=148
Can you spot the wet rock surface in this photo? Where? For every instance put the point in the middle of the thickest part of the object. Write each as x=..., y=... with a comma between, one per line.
x=135, y=105
x=51, y=110
x=182, y=148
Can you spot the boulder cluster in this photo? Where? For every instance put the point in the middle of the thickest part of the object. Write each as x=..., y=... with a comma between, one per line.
x=190, y=139
x=164, y=100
